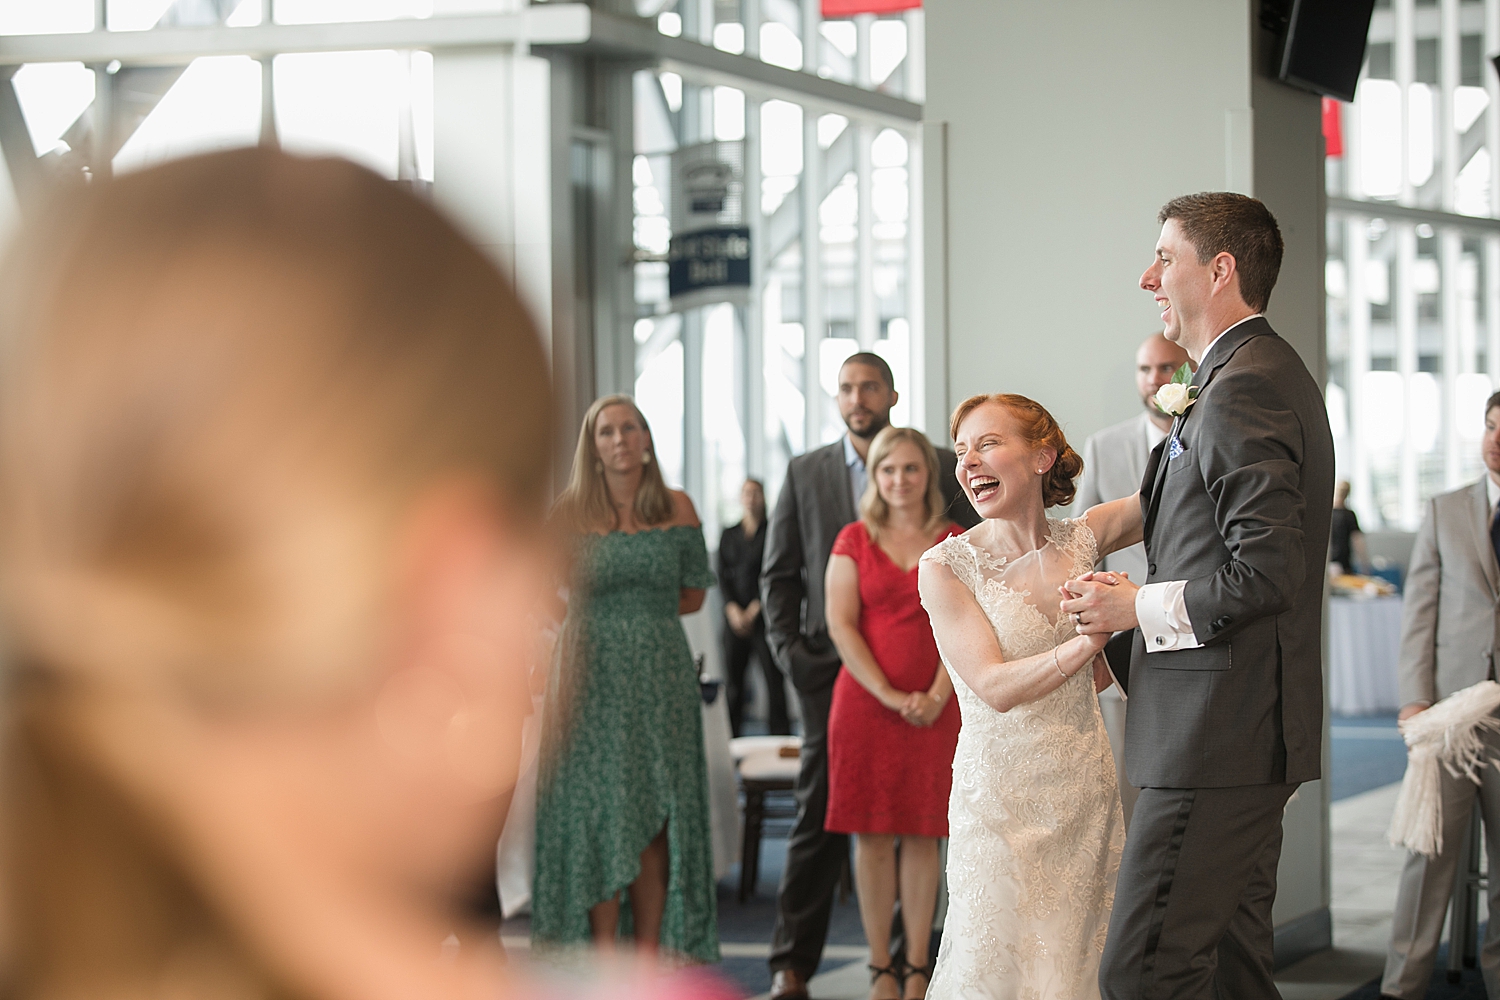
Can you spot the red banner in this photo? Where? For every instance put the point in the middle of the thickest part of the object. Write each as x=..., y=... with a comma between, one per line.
x=848, y=8
x=1333, y=127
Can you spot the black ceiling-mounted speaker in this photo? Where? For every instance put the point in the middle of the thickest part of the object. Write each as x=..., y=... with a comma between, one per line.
x=1325, y=45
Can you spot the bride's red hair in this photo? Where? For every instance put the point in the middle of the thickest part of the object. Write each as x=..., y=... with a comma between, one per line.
x=1040, y=431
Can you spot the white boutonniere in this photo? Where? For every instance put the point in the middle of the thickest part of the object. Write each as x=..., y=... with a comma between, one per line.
x=1176, y=396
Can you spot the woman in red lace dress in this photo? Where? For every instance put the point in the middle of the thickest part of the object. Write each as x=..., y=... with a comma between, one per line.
x=893, y=727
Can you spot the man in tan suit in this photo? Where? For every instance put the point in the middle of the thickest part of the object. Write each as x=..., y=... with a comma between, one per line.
x=1450, y=624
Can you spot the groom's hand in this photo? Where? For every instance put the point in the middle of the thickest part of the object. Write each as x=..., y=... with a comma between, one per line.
x=1100, y=602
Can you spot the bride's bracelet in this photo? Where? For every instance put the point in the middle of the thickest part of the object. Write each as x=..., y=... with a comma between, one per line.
x=1058, y=665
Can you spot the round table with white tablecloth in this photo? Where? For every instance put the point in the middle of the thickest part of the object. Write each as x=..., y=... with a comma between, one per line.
x=1364, y=639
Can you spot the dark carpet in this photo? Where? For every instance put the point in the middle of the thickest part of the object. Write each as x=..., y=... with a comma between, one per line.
x=1366, y=753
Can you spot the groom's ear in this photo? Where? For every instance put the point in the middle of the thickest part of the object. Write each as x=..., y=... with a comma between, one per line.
x=1224, y=271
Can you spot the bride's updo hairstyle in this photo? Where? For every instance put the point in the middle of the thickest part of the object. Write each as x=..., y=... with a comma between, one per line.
x=1040, y=431
x=224, y=383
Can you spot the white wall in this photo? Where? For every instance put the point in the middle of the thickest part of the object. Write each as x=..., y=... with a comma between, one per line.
x=1068, y=126
x=1055, y=131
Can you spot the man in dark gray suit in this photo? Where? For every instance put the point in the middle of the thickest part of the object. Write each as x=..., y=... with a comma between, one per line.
x=1450, y=624
x=1226, y=678
x=821, y=495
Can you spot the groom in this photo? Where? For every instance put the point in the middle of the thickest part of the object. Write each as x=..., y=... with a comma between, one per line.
x=1225, y=680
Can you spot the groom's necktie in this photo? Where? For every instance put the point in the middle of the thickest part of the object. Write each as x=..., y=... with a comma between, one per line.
x=1495, y=533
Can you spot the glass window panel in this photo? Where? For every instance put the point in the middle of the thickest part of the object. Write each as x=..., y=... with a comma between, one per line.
x=1378, y=106
x=136, y=15
x=215, y=104
x=729, y=114
x=1427, y=61
x=52, y=96
x=779, y=45
x=887, y=48
x=1421, y=136
x=44, y=17
x=658, y=392
x=1471, y=60
x=342, y=103
x=324, y=11
x=723, y=435
x=730, y=37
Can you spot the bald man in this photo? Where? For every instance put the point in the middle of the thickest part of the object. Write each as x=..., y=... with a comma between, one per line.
x=1114, y=460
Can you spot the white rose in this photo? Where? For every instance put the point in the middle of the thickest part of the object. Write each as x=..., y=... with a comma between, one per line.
x=1173, y=398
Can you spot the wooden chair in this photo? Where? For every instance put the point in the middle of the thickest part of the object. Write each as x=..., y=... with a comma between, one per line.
x=764, y=771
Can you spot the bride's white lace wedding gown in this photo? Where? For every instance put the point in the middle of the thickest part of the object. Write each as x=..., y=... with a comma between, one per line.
x=1035, y=827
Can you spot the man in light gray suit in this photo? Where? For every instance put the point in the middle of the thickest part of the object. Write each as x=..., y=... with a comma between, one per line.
x=1451, y=620
x=1226, y=678
x=821, y=495
x=1114, y=460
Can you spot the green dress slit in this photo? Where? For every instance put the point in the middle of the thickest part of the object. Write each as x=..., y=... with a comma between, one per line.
x=622, y=750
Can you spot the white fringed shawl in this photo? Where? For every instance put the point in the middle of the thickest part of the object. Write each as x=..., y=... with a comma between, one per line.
x=1450, y=734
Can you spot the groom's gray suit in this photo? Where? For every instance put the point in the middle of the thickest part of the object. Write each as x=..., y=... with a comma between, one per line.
x=1221, y=734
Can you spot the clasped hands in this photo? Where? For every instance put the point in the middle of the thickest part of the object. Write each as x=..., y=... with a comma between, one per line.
x=1100, y=601
x=742, y=620
x=917, y=707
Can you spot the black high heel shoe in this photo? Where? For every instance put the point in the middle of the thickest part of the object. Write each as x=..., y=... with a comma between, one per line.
x=896, y=970
x=907, y=971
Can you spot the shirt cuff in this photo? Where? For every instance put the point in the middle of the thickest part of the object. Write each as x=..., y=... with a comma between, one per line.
x=1162, y=611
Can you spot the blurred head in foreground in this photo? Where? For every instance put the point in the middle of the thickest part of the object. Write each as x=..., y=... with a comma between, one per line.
x=272, y=458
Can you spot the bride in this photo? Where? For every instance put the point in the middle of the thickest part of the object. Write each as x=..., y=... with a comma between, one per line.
x=1035, y=825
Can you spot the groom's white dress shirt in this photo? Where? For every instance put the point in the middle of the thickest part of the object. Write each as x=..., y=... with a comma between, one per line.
x=1160, y=607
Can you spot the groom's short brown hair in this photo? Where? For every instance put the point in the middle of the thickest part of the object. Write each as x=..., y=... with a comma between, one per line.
x=1216, y=222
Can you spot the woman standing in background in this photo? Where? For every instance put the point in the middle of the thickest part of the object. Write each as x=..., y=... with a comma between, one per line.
x=622, y=795
x=274, y=449
x=742, y=547
x=894, y=725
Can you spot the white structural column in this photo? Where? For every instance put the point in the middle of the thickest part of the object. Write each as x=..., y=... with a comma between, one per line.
x=1356, y=257
x=753, y=367
x=268, y=134
x=916, y=272
x=866, y=314
x=1404, y=56
x=697, y=126
x=491, y=164
x=812, y=243
x=1450, y=241
x=1491, y=274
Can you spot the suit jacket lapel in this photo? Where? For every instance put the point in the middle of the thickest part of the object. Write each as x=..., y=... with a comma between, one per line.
x=1221, y=352
x=845, y=503
x=1156, y=471
x=1480, y=504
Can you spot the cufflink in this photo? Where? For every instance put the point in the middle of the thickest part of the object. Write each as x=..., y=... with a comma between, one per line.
x=1161, y=640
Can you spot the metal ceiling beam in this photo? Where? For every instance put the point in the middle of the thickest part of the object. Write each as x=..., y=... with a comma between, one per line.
x=626, y=38
x=553, y=23
x=568, y=26
x=1391, y=210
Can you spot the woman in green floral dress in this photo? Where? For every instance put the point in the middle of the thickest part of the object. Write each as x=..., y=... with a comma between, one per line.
x=622, y=840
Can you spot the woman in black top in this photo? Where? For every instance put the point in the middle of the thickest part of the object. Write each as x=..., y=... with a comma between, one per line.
x=1346, y=543
x=740, y=550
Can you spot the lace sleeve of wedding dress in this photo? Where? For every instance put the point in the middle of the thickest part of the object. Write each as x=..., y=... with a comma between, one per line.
x=959, y=556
